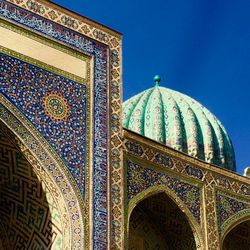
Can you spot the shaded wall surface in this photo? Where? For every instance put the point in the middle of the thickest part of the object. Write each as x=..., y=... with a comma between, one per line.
x=157, y=223
x=238, y=237
x=29, y=218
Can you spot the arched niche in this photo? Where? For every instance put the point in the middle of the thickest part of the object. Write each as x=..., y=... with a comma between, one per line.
x=29, y=215
x=237, y=236
x=50, y=177
x=157, y=222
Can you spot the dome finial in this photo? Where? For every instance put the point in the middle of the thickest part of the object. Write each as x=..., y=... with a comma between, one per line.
x=157, y=80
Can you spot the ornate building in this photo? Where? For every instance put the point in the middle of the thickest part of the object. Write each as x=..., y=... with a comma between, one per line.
x=74, y=174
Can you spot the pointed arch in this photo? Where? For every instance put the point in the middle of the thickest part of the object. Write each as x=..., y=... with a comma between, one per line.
x=232, y=223
x=158, y=189
x=50, y=168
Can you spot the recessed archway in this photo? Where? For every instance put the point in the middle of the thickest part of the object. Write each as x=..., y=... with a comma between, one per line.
x=157, y=223
x=56, y=182
x=238, y=237
x=29, y=215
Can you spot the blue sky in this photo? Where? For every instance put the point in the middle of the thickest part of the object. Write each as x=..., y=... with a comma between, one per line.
x=199, y=47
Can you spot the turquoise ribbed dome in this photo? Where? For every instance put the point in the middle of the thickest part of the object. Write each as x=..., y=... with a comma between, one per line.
x=180, y=122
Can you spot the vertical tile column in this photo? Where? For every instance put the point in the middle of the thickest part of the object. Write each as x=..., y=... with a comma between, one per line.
x=211, y=225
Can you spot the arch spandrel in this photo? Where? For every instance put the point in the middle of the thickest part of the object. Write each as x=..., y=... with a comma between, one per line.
x=56, y=103
x=58, y=183
x=232, y=209
x=233, y=222
x=140, y=177
x=144, y=181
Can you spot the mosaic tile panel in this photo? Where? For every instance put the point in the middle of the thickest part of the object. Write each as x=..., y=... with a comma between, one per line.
x=228, y=206
x=164, y=160
x=141, y=178
x=245, y=189
x=113, y=40
x=153, y=155
x=203, y=173
x=54, y=176
x=100, y=54
x=194, y=172
x=222, y=181
x=134, y=148
x=211, y=232
x=235, y=185
x=55, y=105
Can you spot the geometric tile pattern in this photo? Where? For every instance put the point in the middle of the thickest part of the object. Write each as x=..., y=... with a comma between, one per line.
x=141, y=178
x=196, y=172
x=31, y=89
x=163, y=160
x=228, y=207
x=212, y=227
x=30, y=218
x=100, y=53
x=52, y=171
x=53, y=21
x=68, y=29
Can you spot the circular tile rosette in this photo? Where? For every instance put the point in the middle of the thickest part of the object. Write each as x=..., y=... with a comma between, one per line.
x=56, y=107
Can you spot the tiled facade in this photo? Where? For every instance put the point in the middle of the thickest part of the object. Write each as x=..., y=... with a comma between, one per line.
x=69, y=129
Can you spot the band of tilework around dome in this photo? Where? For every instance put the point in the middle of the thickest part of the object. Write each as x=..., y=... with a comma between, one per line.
x=180, y=122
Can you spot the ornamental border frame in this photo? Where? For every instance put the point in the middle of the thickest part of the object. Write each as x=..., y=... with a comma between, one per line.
x=84, y=81
x=156, y=188
x=102, y=35
x=207, y=168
